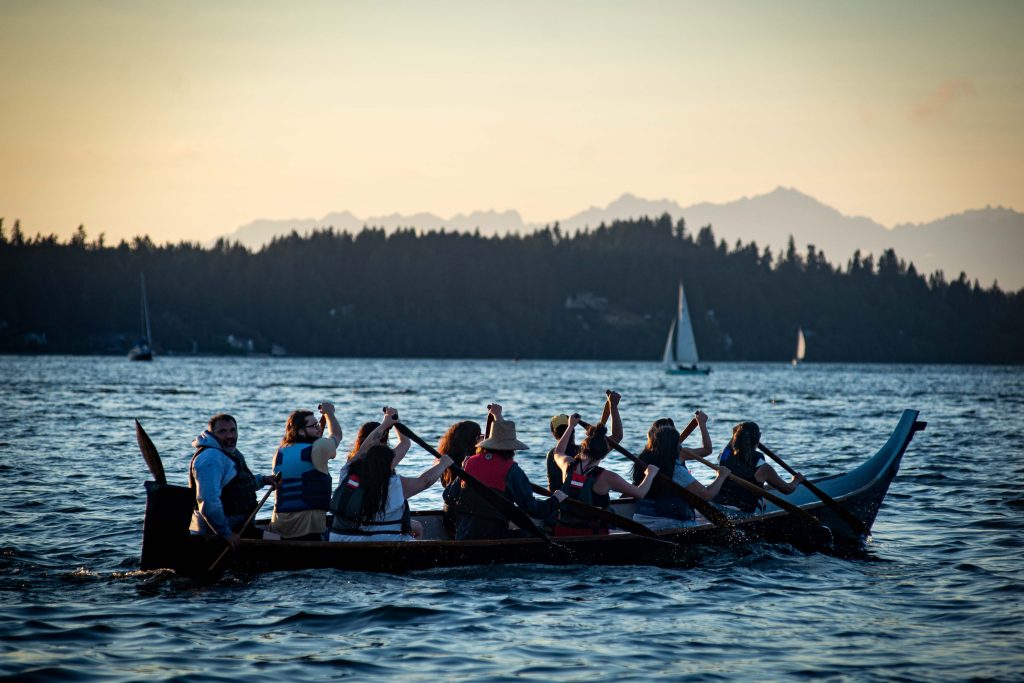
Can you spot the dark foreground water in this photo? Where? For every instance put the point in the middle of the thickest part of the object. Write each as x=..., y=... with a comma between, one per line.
x=937, y=596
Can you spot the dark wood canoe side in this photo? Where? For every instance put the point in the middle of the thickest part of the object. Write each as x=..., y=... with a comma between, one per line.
x=167, y=544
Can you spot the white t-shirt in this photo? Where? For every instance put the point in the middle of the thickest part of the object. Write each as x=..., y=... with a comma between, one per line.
x=394, y=508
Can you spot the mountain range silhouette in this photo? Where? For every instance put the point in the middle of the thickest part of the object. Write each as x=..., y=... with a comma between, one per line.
x=985, y=243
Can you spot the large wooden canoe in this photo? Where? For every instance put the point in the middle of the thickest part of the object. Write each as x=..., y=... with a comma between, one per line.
x=167, y=544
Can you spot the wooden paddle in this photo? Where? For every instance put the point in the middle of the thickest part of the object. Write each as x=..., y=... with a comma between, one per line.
x=594, y=512
x=503, y=505
x=247, y=523
x=848, y=517
x=713, y=514
x=767, y=495
x=149, y=454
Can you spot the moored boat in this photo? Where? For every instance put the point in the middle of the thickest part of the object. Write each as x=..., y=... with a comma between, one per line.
x=680, y=356
x=167, y=545
x=143, y=349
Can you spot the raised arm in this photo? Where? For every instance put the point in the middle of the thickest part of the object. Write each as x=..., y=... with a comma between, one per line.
x=705, y=449
x=401, y=449
x=373, y=438
x=413, y=485
x=563, y=460
x=613, y=411
x=333, y=428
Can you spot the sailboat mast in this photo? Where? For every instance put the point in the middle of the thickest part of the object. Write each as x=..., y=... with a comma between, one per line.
x=145, y=310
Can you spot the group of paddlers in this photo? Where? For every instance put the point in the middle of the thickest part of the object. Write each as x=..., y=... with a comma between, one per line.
x=370, y=501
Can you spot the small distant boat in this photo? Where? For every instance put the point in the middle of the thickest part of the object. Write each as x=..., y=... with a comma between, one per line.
x=680, y=357
x=142, y=350
x=801, y=347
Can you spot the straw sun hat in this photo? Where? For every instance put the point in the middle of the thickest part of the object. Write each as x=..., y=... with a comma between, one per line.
x=503, y=438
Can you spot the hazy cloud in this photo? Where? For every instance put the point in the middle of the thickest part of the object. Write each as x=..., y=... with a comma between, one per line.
x=942, y=97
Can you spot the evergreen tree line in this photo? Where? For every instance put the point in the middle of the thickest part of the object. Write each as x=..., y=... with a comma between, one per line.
x=607, y=293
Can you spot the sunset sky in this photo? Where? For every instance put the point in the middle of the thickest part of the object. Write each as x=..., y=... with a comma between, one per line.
x=185, y=120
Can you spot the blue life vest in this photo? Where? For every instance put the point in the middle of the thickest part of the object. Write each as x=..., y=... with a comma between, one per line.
x=732, y=493
x=660, y=501
x=303, y=487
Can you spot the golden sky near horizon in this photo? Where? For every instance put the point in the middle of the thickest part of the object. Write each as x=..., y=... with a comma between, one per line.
x=185, y=120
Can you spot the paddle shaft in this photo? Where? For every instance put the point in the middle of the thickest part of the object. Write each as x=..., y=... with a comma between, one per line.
x=244, y=526
x=605, y=515
x=767, y=495
x=499, y=502
x=848, y=517
x=713, y=514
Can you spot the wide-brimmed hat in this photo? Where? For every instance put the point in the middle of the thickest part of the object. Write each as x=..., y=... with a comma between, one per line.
x=503, y=438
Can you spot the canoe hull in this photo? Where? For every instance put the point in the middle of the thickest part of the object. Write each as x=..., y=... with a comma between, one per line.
x=167, y=544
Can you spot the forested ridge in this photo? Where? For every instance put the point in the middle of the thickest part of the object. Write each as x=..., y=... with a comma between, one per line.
x=607, y=293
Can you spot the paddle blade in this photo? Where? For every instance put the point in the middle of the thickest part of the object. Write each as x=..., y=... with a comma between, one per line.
x=149, y=454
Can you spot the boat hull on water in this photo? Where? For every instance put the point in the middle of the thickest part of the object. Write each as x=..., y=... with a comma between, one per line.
x=167, y=544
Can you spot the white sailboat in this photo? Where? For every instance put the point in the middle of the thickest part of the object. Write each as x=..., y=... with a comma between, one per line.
x=142, y=349
x=680, y=357
x=801, y=347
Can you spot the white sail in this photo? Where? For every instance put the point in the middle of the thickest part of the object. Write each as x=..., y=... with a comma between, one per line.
x=801, y=345
x=686, y=345
x=666, y=357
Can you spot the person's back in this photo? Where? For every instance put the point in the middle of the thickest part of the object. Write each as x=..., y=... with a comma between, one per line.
x=743, y=460
x=389, y=522
x=579, y=486
x=303, y=496
x=495, y=467
x=475, y=518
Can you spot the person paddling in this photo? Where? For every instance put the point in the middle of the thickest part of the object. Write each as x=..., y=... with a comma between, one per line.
x=223, y=486
x=742, y=457
x=304, y=494
x=495, y=466
x=560, y=422
x=663, y=508
x=588, y=482
x=458, y=443
x=371, y=501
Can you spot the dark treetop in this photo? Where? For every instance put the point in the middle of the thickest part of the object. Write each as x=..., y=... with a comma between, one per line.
x=605, y=293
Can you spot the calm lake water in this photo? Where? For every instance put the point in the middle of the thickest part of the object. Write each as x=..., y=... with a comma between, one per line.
x=937, y=596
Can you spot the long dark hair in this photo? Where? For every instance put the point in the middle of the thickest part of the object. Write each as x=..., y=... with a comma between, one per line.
x=745, y=437
x=293, y=428
x=595, y=446
x=662, y=452
x=374, y=472
x=458, y=443
x=655, y=426
x=364, y=431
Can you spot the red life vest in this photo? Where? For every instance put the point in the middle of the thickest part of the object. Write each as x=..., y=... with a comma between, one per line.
x=489, y=468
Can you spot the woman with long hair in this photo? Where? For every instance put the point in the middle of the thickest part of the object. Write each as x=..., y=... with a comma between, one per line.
x=664, y=508
x=745, y=461
x=494, y=465
x=303, y=497
x=458, y=443
x=586, y=481
x=367, y=428
x=370, y=503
